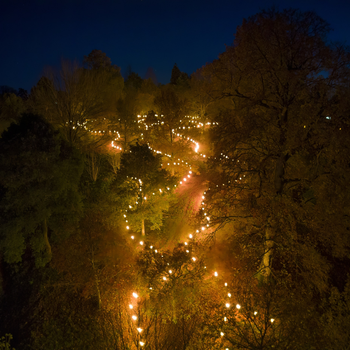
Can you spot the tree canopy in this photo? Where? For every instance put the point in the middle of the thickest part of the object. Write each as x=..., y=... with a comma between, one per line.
x=247, y=248
x=39, y=181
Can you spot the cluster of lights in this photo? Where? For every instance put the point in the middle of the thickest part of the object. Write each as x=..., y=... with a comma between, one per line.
x=134, y=318
x=77, y=124
x=196, y=144
x=115, y=146
x=207, y=218
x=199, y=124
x=192, y=120
x=159, y=122
x=139, y=182
x=143, y=121
x=228, y=304
x=163, y=279
x=173, y=161
x=238, y=308
x=204, y=210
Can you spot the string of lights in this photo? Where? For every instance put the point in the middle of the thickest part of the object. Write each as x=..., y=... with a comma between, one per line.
x=204, y=226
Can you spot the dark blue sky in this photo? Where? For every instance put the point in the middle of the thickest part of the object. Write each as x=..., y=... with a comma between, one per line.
x=140, y=33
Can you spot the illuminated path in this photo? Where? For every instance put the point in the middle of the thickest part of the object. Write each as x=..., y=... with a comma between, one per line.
x=191, y=193
x=189, y=196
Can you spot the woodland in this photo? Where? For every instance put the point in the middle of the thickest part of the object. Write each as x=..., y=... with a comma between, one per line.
x=208, y=213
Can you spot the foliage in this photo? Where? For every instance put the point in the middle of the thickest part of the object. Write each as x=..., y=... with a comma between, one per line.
x=147, y=185
x=75, y=305
x=39, y=179
x=336, y=318
x=78, y=100
x=173, y=296
x=127, y=118
x=172, y=108
x=11, y=107
x=5, y=342
x=276, y=147
x=98, y=60
x=275, y=223
x=201, y=94
x=179, y=78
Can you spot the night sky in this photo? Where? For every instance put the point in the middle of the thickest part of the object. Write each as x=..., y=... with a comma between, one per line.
x=139, y=33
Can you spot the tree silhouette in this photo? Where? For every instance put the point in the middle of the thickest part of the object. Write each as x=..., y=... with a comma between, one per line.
x=39, y=180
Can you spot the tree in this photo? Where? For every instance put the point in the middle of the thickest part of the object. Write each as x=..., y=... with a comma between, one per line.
x=87, y=278
x=202, y=94
x=127, y=117
x=179, y=79
x=172, y=294
x=279, y=124
x=137, y=98
x=175, y=74
x=11, y=108
x=39, y=180
x=151, y=75
x=172, y=108
x=336, y=318
x=98, y=60
x=133, y=81
x=5, y=342
x=146, y=96
x=78, y=100
x=149, y=186
x=278, y=167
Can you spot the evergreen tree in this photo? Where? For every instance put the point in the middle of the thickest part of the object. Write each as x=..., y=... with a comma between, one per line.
x=175, y=74
x=39, y=177
x=148, y=184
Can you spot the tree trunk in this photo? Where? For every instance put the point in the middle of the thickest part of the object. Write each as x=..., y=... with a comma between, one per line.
x=93, y=165
x=279, y=173
x=97, y=284
x=143, y=228
x=125, y=136
x=171, y=135
x=46, y=238
x=265, y=266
